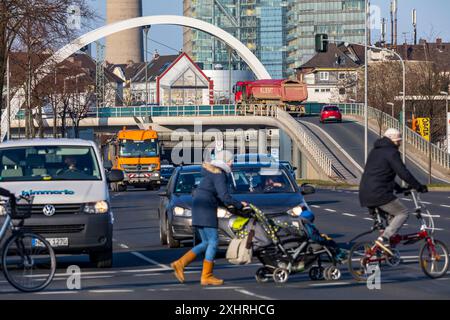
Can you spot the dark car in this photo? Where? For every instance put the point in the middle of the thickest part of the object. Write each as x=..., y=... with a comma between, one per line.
x=271, y=188
x=254, y=158
x=330, y=113
x=166, y=172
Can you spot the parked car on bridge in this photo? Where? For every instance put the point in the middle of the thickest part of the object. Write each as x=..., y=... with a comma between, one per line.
x=272, y=189
x=330, y=113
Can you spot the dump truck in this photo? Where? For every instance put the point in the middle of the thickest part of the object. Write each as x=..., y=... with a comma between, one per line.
x=288, y=94
x=137, y=154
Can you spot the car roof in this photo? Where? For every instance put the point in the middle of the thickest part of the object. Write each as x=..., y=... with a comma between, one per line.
x=46, y=142
x=237, y=165
x=190, y=168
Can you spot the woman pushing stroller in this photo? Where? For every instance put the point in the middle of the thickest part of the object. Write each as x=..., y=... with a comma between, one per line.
x=211, y=193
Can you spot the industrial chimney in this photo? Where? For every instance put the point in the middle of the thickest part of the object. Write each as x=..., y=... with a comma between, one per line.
x=126, y=45
x=394, y=13
x=414, y=22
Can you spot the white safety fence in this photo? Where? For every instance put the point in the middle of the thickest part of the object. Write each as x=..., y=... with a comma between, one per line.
x=438, y=155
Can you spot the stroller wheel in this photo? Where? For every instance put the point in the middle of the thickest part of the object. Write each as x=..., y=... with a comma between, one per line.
x=316, y=273
x=280, y=275
x=261, y=275
x=332, y=273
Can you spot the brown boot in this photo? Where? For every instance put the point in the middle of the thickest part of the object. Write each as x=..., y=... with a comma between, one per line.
x=179, y=265
x=207, y=276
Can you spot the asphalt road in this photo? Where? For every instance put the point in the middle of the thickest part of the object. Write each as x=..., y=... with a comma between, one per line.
x=350, y=136
x=141, y=265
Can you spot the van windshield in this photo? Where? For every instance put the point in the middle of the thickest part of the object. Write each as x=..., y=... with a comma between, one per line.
x=48, y=163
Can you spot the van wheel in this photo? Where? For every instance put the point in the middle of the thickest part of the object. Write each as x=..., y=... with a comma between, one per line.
x=172, y=243
x=102, y=259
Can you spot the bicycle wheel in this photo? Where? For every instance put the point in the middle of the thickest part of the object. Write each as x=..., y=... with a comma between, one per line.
x=359, y=260
x=29, y=262
x=434, y=263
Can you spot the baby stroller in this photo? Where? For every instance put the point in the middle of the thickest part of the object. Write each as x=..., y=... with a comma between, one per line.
x=282, y=245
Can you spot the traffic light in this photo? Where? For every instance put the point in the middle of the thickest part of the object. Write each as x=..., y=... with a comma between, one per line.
x=321, y=42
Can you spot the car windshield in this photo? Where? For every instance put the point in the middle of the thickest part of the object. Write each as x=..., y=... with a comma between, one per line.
x=48, y=163
x=187, y=181
x=136, y=149
x=332, y=108
x=261, y=180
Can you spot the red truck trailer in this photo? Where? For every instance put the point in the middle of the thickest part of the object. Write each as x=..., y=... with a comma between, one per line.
x=288, y=94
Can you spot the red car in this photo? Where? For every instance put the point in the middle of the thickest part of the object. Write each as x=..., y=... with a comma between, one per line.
x=330, y=113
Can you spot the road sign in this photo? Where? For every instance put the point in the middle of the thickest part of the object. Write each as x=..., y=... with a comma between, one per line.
x=422, y=127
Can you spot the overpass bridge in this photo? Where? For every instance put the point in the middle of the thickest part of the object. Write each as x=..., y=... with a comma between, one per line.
x=331, y=151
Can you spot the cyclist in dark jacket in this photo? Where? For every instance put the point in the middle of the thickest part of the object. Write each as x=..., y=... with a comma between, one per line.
x=211, y=193
x=378, y=183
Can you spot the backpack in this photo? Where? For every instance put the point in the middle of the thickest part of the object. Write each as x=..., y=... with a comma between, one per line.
x=240, y=249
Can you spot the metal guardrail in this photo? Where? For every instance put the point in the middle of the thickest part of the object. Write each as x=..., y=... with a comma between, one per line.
x=438, y=155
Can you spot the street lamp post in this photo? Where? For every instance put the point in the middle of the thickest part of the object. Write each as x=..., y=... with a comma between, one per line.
x=146, y=30
x=8, y=103
x=447, y=120
x=366, y=85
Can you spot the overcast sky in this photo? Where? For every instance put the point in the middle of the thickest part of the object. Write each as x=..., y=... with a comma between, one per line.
x=432, y=15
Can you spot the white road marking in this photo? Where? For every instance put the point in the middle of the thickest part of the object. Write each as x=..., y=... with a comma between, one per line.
x=406, y=199
x=426, y=202
x=315, y=206
x=83, y=277
x=348, y=214
x=56, y=292
x=253, y=294
x=141, y=256
x=124, y=246
x=330, y=210
x=148, y=274
x=111, y=291
x=368, y=219
x=329, y=284
x=445, y=206
x=222, y=288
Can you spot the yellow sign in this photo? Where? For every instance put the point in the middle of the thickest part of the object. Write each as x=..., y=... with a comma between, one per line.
x=422, y=127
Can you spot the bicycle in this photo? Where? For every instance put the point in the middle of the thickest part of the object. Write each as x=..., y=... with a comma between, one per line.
x=433, y=253
x=28, y=260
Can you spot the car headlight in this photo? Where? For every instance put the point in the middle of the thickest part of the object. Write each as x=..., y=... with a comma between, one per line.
x=96, y=207
x=297, y=211
x=182, y=212
x=223, y=213
x=3, y=210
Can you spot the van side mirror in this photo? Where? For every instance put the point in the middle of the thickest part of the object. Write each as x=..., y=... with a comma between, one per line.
x=307, y=189
x=115, y=175
x=107, y=164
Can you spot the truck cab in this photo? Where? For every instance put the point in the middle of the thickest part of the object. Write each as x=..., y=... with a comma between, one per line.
x=137, y=154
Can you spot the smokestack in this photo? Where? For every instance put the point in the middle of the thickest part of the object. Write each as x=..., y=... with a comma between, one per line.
x=126, y=45
x=414, y=22
x=369, y=33
x=394, y=10
x=392, y=23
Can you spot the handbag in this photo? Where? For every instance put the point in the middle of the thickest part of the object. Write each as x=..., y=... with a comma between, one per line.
x=240, y=249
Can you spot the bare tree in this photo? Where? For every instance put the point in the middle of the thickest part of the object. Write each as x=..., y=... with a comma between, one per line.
x=36, y=26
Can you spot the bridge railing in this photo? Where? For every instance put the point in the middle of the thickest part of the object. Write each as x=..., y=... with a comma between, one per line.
x=438, y=155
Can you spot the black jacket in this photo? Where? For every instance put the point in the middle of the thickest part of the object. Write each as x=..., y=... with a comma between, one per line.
x=211, y=193
x=378, y=181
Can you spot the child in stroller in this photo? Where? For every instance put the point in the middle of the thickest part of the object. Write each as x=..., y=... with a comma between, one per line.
x=284, y=246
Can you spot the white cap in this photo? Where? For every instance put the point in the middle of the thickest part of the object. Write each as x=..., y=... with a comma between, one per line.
x=393, y=134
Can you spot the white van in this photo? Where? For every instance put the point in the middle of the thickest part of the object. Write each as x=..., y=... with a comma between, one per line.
x=71, y=205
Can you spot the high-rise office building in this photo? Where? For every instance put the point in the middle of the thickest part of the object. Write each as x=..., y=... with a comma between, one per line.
x=259, y=24
x=339, y=19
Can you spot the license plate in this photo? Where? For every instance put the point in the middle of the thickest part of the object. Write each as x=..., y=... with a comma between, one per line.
x=54, y=242
x=332, y=117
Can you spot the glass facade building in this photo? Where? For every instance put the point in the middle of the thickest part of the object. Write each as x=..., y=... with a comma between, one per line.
x=259, y=24
x=340, y=19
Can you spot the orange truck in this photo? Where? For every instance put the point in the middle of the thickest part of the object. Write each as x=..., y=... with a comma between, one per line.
x=137, y=154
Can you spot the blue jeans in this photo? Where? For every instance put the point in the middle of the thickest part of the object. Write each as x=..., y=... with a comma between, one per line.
x=210, y=241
